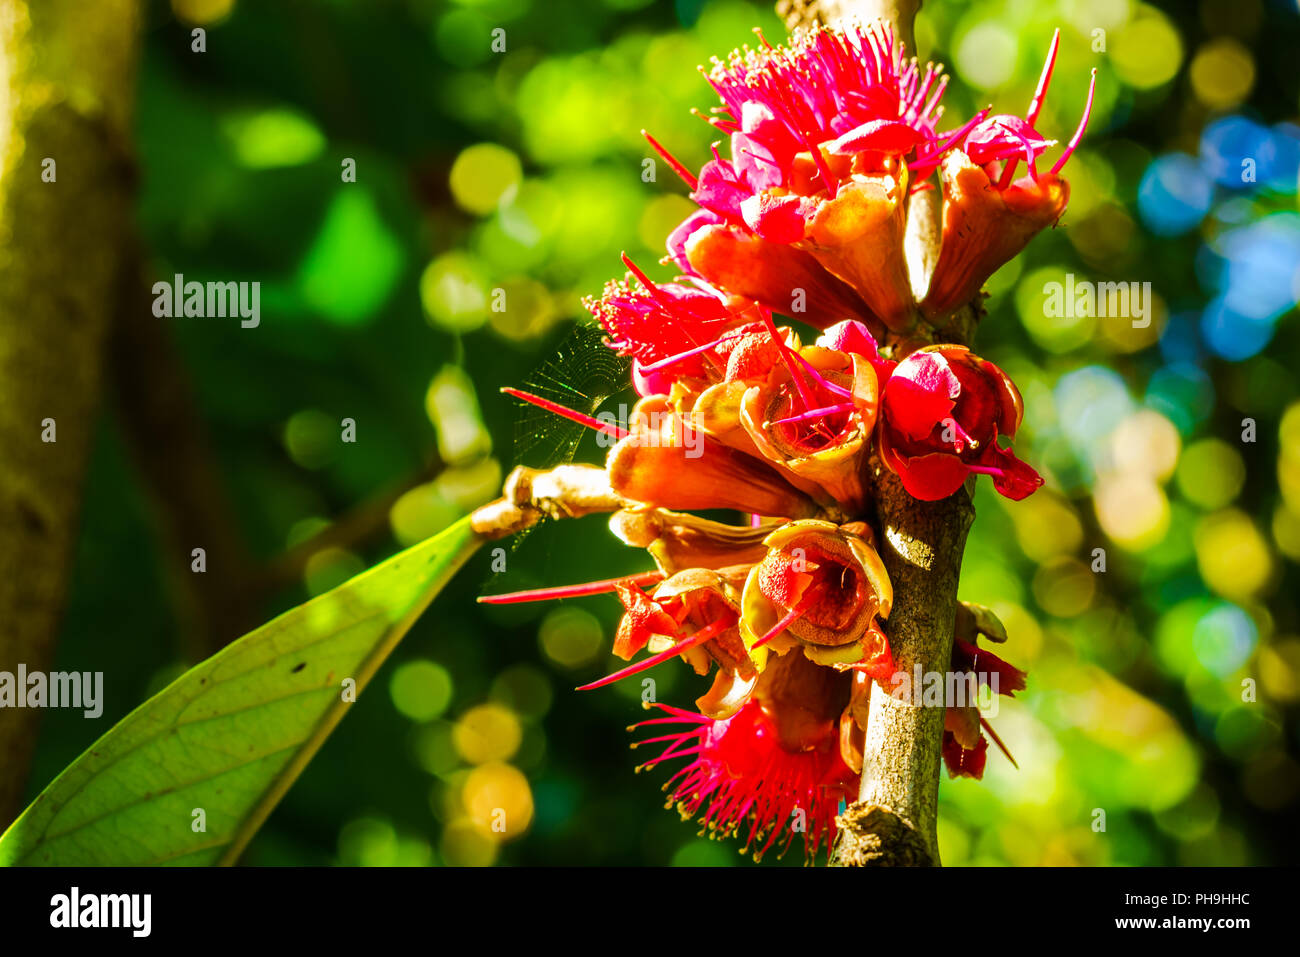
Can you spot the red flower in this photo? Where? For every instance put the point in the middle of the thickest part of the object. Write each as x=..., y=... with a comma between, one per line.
x=825, y=136
x=989, y=215
x=672, y=328
x=776, y=765
x=824, y=587
x=942, y=412
x=964, y=745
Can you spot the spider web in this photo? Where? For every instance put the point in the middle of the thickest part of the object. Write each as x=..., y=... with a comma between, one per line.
x=581, y=375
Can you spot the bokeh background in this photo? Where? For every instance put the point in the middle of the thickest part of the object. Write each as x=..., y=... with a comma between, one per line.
x=1163, y=692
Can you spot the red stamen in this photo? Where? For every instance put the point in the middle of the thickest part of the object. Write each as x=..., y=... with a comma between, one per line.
x=784, y=623
x=1083, y=125
x=704, y=634
x=998, y=741
x=667, y=304
x=954, y=137
x=572, y=591
x=804, y=390
x=687, y=176
x=616, y=431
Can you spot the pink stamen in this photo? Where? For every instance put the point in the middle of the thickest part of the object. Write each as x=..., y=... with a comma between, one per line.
x=572, y=591
x=962, y=436
x=704, y=634
x=687, y=176
x=954, y=137
x=1040, y=94
x=1083, y=125
x=682, y=356
x=986, y=470
x=825, y=383
x=616, y=431
x=814, y=413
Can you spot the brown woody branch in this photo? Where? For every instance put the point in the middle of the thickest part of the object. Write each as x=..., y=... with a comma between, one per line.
x=894, y=820
x=66, y=91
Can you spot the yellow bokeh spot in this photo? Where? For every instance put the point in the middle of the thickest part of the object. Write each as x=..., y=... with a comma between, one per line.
x=1023, y=629
x=1148, y=51
x=465, y=845
x=571, y=637
x=1232, y=555
x=1279, y=669
x=1132, y=510
x=454, y=292
x=529, y=310
x=487, y=732
x=1145, y=444
x=483, y=175
x=452, y=407
x=421, y=512
x=202, y=12
x=470, y=486
x=498, y=801
x=1047, y=509
x=1049, y=313
x=1211, y=473
x=1064, y=587
x=1223, y=73
x=986, y=54
x=421, y=689
x=1122, y=330
x=661, y=216
x=1286, y=532
x=1105, y=235
x=312, y=438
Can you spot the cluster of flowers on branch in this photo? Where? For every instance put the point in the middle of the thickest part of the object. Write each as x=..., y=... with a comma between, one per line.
x=830, y=139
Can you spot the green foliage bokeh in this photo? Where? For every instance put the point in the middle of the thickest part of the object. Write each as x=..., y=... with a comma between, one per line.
x=522, y=171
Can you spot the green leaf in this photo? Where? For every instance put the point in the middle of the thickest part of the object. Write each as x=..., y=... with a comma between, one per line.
x=233, y=733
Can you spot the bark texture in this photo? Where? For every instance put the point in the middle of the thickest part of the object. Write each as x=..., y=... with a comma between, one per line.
x=66, y=88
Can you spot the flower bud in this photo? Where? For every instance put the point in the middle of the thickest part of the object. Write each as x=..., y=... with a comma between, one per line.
x=942, y=412
x=821, y=586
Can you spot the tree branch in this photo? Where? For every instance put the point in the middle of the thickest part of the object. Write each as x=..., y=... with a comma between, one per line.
x=894, y=820
x=66, y=88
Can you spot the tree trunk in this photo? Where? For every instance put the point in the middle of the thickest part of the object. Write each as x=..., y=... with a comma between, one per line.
x=894, y=820
x=66, y=88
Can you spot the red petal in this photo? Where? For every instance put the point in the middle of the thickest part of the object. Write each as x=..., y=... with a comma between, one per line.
x=778, y=219
x=968, y=657
x=920, y=394
x=882, y=136
x=963, y=762
x=931, y=477
x=1017, y=480
x=641, y=619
